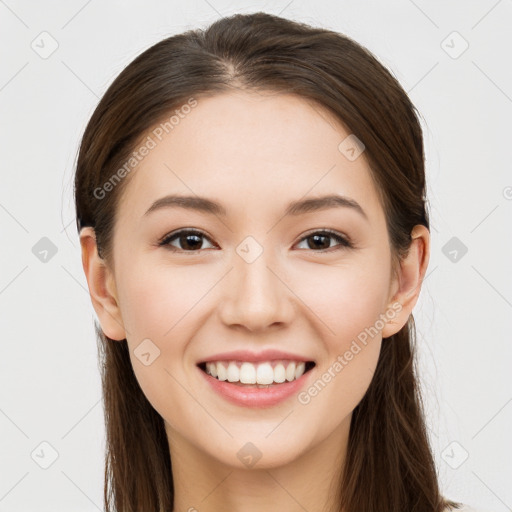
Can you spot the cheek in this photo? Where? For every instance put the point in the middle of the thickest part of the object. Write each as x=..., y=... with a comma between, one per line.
x=164, y=306
x=157, y=302
x=158, y=305
x=349, y=300
x=343, y=300
x=349, y=305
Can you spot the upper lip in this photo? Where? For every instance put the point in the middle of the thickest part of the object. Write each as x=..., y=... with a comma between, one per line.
x=246, y=355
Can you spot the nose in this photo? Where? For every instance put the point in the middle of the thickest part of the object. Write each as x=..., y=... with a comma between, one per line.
x=256, y=297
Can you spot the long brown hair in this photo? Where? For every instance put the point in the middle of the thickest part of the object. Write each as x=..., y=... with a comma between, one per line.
x=389, y=465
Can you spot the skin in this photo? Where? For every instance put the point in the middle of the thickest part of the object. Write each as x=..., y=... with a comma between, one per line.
x=253, y=153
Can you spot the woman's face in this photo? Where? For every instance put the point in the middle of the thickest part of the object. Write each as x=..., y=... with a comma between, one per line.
x=256, y=277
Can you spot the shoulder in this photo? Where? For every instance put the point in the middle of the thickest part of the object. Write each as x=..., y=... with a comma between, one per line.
x=464, y=508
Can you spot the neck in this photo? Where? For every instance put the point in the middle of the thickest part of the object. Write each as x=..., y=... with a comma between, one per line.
x=203, y=483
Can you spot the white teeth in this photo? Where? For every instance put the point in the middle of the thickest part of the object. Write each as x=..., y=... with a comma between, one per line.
x=248, y=374
x=233, y=373
x=213, y=369
x=300, y=369
x=262, y=374
x=290, y=372
x=222, y=374
x=279, y=373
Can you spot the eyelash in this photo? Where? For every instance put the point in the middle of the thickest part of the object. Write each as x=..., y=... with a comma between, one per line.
x=344, y=242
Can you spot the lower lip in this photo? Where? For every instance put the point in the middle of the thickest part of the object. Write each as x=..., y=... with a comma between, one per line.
x=256, y=397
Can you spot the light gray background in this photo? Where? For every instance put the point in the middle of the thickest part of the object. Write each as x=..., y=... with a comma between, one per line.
x=49, y=381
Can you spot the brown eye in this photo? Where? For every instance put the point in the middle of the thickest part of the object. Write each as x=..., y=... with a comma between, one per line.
x=321, y=241
x=192, y=240
x=189, y=240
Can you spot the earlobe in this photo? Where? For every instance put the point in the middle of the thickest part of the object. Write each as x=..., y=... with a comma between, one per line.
x=101, y=287
x=410, y=278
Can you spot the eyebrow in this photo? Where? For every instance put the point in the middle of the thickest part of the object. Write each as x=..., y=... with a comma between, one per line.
x=300, y=207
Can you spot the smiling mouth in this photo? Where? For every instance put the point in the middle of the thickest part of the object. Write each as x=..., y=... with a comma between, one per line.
x=245, y=374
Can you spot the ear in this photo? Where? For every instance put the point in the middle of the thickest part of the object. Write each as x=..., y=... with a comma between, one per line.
x=101, y=286
x=407, y=284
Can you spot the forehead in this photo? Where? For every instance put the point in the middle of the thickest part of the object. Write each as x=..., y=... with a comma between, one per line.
x=250, y=151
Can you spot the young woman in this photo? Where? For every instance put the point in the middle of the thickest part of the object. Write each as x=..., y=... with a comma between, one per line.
x=251, y=207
